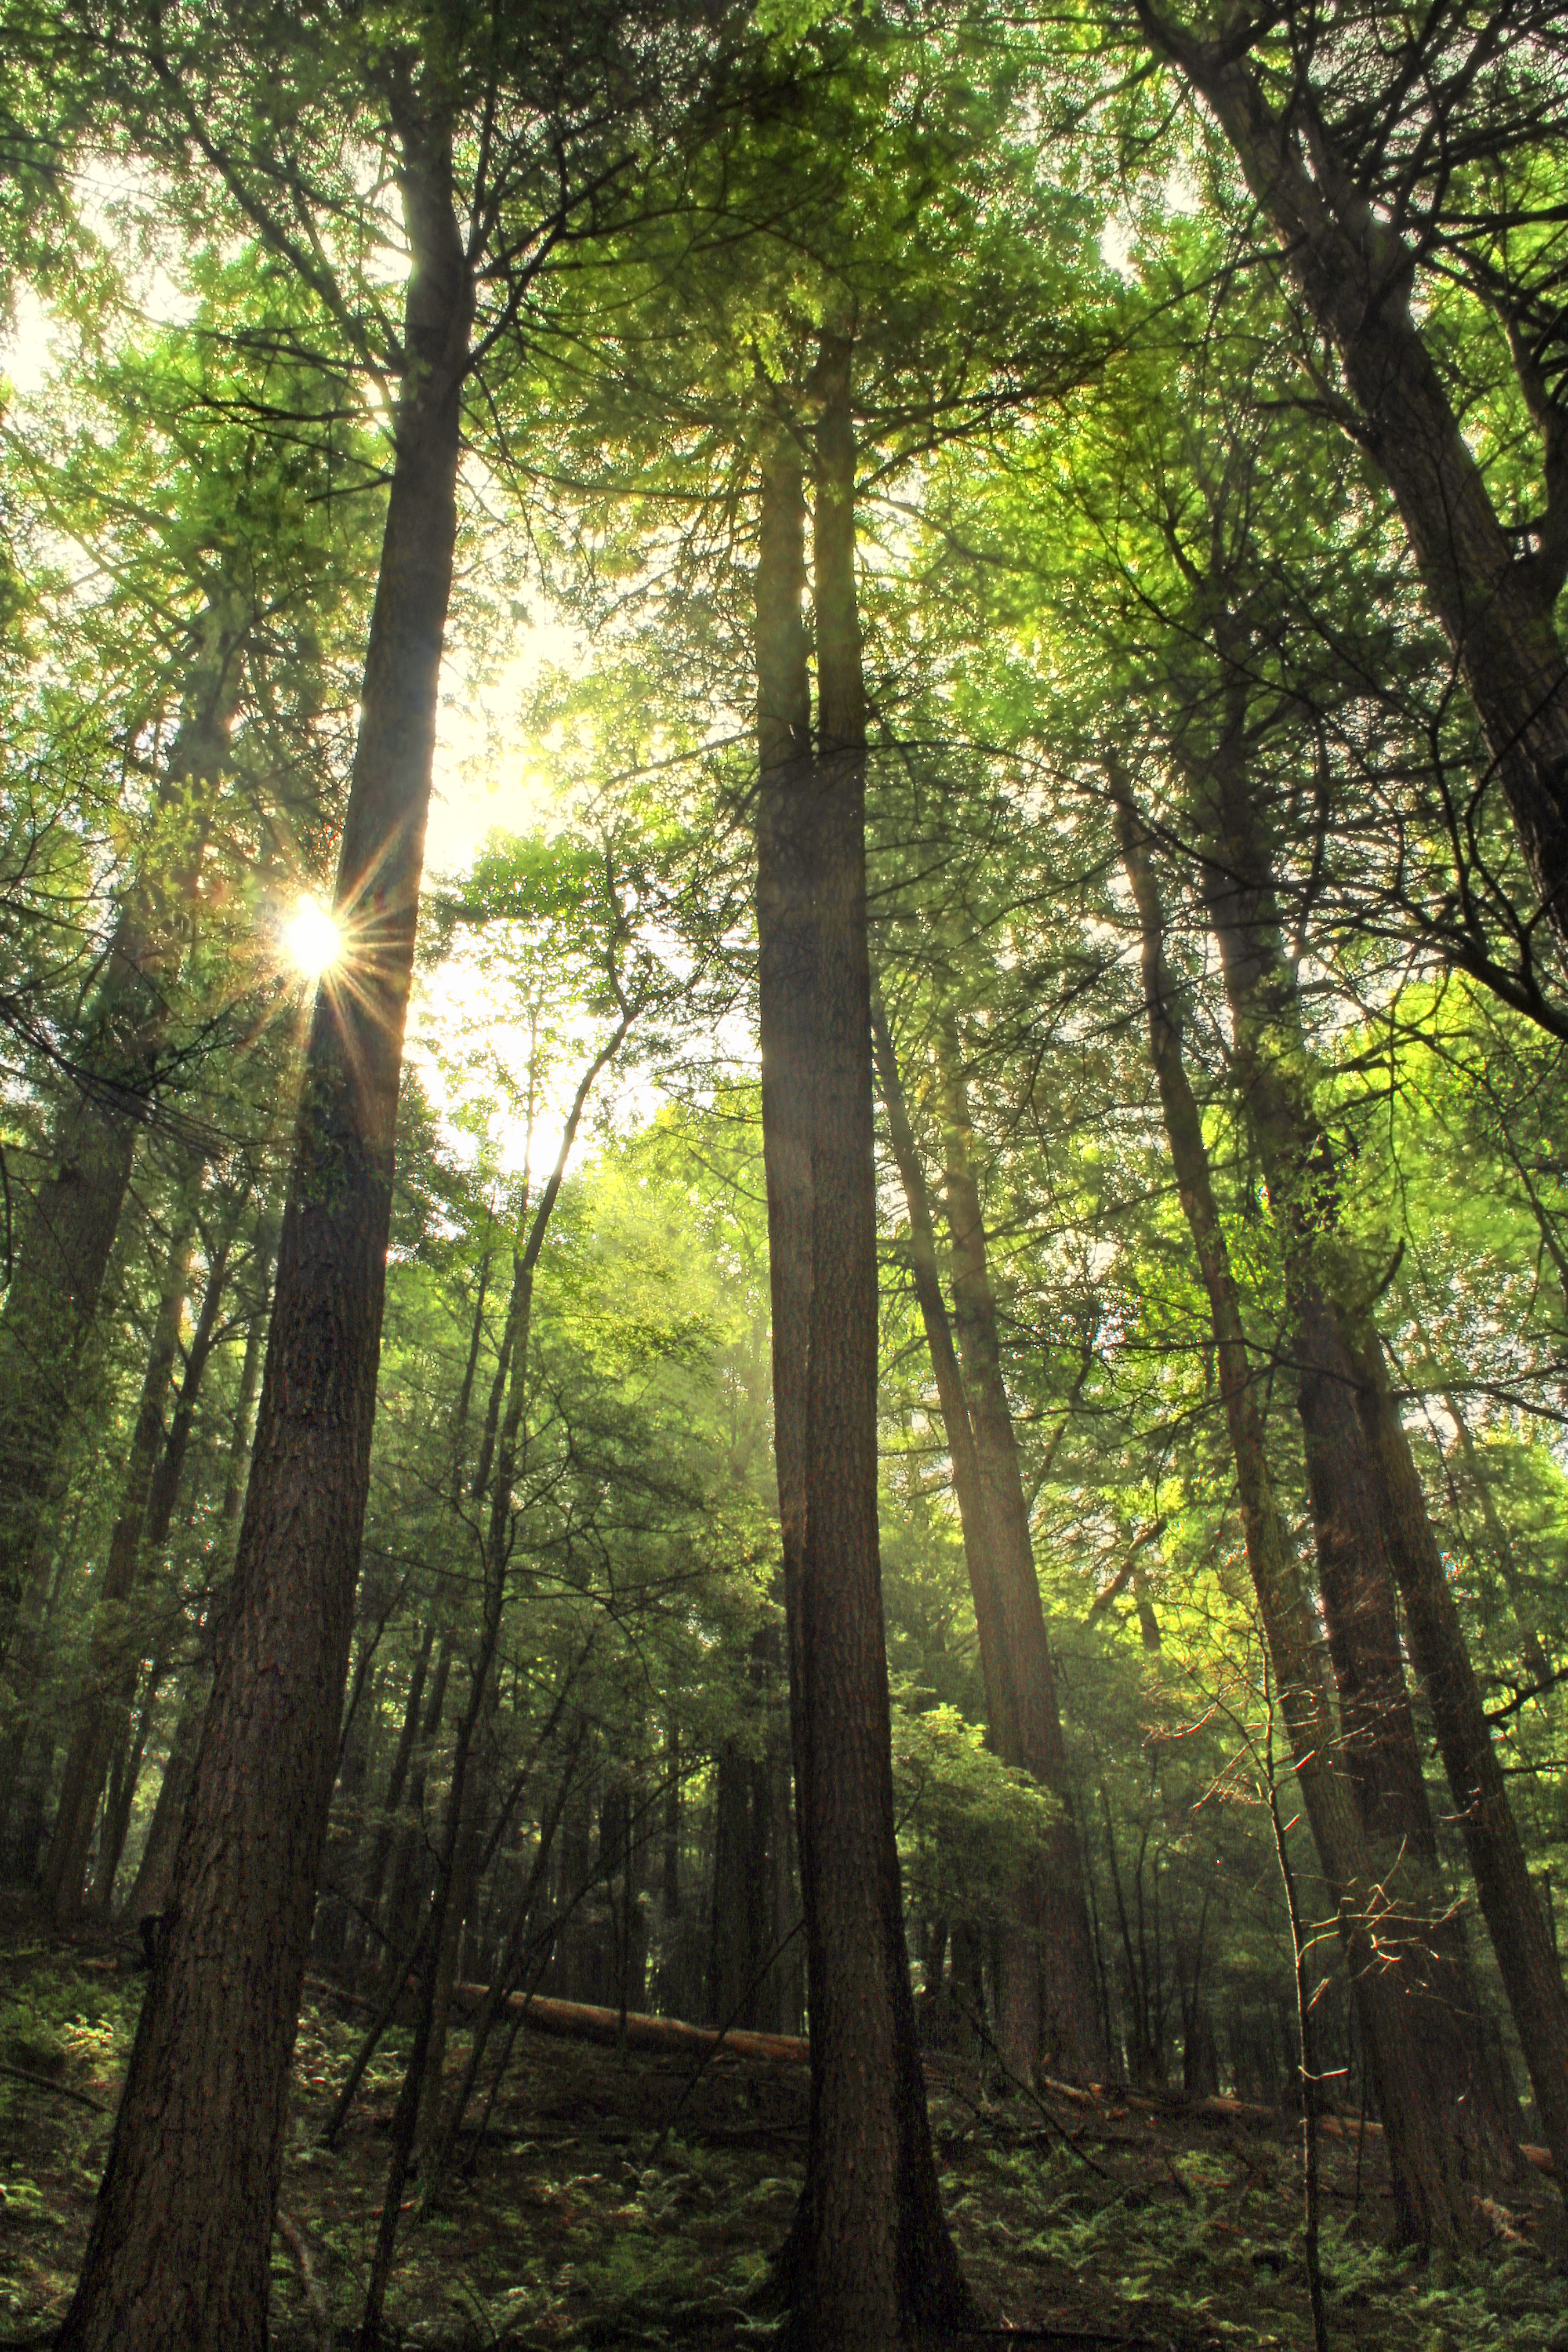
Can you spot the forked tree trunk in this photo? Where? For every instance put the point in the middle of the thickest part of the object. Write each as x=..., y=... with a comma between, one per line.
x=1430, y=2203
x=872, y=2260
x=1048, y=2012
x=178, y=2255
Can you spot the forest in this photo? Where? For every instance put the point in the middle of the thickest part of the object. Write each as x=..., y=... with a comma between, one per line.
x=783, y=1174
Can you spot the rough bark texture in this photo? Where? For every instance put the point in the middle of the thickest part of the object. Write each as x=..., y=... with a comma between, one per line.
x=1356, y=274
x=178, y=2253
x=1272, y=1066
x=1048, y=2016
x=1526, y=1954
x=1430, y=2206
x=873, y=2262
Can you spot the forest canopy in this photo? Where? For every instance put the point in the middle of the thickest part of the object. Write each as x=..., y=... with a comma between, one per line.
x=783, y=897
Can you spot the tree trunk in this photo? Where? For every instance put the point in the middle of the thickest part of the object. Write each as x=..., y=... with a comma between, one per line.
x=396, y=1780
x=178, y=2255
x=150, y=1889
x=1069, y=2019
x=1430, y=2206
x=1381, y=1753
x=1048, y=1937
x=92, y=1740
x=1356, y=273
x=124, y=1774
x=738, y=1940
x=1526, y=1953
x=68, y=1228
x=873, y=2262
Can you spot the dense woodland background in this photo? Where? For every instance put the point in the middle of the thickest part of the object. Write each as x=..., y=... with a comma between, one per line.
x=1217, y=996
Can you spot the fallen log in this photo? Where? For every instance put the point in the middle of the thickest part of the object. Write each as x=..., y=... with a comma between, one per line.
x=581, y=2021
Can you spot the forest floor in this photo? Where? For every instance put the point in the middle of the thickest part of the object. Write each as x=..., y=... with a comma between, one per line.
x=1124, y=2221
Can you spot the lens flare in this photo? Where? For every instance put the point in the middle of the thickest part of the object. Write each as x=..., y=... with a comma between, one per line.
x=311, y=939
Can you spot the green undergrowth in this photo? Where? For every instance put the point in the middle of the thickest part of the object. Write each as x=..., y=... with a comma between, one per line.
x=580, y=2226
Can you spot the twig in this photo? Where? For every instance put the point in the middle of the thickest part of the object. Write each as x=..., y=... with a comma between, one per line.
x=708, y=2055
x=293, y=2237
x=60, y=2090
x=980, y=2027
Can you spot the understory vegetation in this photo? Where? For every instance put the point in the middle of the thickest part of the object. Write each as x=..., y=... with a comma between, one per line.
x=784, y=1175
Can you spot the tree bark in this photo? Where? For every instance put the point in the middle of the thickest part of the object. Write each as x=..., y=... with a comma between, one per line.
x=1430, y=2205
x=1068, y=2037
x=179, y=2249
x=1526, y=1953
x=68, y=1228
x=92, y=1739
x=872, y=2260
x=1052, y=2024
x=1344, y=1478
x=1355, y=274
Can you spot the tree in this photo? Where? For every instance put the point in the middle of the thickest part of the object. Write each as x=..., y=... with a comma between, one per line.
x=184, y=2250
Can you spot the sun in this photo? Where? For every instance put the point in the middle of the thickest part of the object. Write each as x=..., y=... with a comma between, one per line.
x=311, y=939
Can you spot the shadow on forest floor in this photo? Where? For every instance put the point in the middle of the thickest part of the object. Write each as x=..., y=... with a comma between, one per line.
x=1154, y=2228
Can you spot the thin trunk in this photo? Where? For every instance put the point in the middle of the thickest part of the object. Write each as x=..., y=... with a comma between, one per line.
x=68, y=1233
x=409, y=1841
x=415, y=2114
x=1067, y=2020
x=92, y=1739
x=872, y=2258
x=125, y=1772
x=1430, y=2205
x=150, y=1889
x=1050, y=1930
x=464, y=1392
x=178, y=2255
x=397, y=1779
x=249, y=1377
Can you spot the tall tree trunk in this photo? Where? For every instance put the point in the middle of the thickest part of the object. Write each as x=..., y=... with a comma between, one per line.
x=178, y=2255
x=396, y=1781
x=150, y=1889
x=1356, y=273
x=1526, y=1952
x=1382, y=1754
x=1068, y=2020
x=873, y=2262
x=124, y=1774
x=1049, y=1935
x=92, y=1739
x=67, y=1231
x=739, y=1941
x=410, y=1846
x=1430, y=2205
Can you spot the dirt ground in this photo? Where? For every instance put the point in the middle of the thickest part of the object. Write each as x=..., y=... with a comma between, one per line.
x=1122, y=2221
